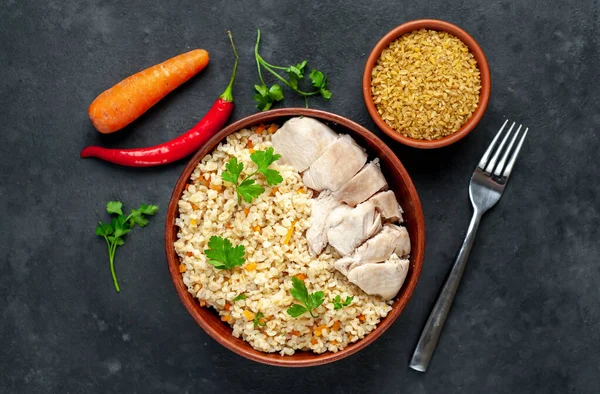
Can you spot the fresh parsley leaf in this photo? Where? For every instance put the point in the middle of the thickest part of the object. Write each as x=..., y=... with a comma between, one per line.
x=309, y=301
x=296, y=310
x=339, y=304
x=114, y=207
x=233, y=171
x=258, y=320
x=223, y=255
x=263, y=160
x=240, y=297
x=121, y=225
x=265, y=97
x=317, y=78
x=249, y=190
x=276, y=93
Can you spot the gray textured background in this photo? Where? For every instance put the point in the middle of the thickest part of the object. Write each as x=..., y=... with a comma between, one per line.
x=527, y=315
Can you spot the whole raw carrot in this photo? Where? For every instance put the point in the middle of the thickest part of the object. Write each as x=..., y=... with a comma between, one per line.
x=120, y=105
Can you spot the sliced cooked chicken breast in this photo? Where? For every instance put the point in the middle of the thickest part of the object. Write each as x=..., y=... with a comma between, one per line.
x=383, y=279
x=350, y=227
x=391, y=239
x=388, y=206
x=316, y=235
x=363, y=185
x=300, y=141
x=340, y=162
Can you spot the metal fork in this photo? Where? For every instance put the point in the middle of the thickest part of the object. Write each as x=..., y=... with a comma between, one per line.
x=485, y=189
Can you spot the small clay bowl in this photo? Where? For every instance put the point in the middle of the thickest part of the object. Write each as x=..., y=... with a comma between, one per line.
x=482, y=64
x=398, y=180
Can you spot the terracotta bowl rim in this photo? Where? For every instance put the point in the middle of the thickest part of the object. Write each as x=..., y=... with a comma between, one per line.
x=482, y=64
x=232, y=343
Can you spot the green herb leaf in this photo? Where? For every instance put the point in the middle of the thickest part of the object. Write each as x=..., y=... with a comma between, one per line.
x=263, y=160
x=318, y=79
x=309, y=301
x=257, y=320
x=222, y=255
x=339, y=304
x=325, y=93
x=120, y=226
x=295, y=73
x=233, y=171
x=240, y=297
x=114, y=207
x=296, y=310
x=249, y=190
x=299, y=291
x=276, y=93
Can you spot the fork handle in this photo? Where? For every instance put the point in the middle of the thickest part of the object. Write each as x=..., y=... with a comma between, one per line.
x=433, y=328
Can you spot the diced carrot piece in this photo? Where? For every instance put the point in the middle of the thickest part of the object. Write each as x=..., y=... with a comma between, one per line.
x=249, y=144
x=334, y=342
x=362, y=317
x=274, y=191
x=250, y=266
x=319, y=330
x=228, y=225
x=217, y=188
x=289, y=234
x=273, y=128
x=225, y=318
x=336, y=325
x=301, y=191
x=260, y=129
x=251, y=151
x=227, y=306
x=300, y=276
x=189, y=254
x=314, y=341
x=182, y=268
x=249, y=315
x=202, y=303
x=295, y=333
x=257, y=229
x=246, y=211
x=194, y=206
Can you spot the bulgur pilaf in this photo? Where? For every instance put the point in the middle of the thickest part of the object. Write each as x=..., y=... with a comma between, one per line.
x=272, y=231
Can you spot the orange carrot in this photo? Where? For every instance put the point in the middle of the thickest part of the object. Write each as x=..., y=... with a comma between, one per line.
x=120, y=105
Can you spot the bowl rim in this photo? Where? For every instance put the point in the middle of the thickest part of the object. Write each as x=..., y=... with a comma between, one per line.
x=173, y=261
x=482, y=64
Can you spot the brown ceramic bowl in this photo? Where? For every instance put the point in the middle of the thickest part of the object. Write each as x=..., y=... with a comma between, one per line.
x=484, y=95
x=399, y=182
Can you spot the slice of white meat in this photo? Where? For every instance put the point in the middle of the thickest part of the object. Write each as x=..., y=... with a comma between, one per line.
x=300, y=141
x=350, y=227
x=391, y=239
x=363, y=185
x=340, y=162
x=383, y=279
x=388, y=206
x=316, y=235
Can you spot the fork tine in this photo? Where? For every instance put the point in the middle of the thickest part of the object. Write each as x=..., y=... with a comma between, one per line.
x=502, y=161
x=492, y=163
x=488, y=152
x=511, y=163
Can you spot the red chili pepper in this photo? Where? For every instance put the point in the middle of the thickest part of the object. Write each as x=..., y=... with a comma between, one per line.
x=179, y=147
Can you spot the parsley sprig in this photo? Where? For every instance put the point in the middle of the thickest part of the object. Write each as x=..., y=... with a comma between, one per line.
x=114, y=231
x=267, y=96
x=339, y=304
x=223, y=255
x=309, y=301
x=248, y=189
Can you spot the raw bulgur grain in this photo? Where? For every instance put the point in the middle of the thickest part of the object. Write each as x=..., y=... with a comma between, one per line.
x=426, y=84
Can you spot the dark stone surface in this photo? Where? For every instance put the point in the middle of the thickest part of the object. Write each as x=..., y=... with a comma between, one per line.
x=526, y=318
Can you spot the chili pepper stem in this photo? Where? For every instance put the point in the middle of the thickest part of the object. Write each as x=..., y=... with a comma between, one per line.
x=228, y=93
